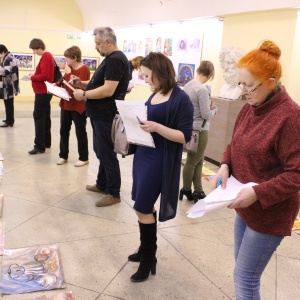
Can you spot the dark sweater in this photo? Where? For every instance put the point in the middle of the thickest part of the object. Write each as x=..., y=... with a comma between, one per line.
x=265, y=149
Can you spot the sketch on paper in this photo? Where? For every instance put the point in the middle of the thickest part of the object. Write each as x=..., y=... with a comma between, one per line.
x=31, y=269
x=168, y=47
x=25, y=61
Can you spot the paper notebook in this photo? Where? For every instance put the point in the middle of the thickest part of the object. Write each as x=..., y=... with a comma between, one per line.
x=57, y=91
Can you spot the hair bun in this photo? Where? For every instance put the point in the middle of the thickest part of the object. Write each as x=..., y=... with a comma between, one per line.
x=271, y=48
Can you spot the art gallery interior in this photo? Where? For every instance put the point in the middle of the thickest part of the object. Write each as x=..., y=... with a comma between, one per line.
x=47, y=204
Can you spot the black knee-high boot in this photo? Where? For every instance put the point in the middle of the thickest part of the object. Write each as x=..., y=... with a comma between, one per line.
x=136, y=257
x=148, y=251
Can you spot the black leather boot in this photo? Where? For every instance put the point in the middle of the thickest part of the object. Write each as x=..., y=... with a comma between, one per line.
x=136, y=257
x=148, y=251
x=197, y=195
x=187, y=193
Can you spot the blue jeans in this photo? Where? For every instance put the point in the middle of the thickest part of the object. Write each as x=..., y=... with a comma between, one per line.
x=252, y=252
x=109, y=176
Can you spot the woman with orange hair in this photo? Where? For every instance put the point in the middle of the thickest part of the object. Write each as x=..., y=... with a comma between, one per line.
x=265, y=149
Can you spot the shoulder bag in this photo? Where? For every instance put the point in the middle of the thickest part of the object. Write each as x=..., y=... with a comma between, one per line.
x=119, y=138
x=192, y=145
x=57, y=72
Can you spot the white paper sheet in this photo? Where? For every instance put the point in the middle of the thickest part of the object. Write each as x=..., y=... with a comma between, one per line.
x=57, y=91
x=218, y=198
x=129, y=111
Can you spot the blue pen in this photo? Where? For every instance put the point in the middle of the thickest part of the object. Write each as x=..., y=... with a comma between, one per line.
x=219, y=181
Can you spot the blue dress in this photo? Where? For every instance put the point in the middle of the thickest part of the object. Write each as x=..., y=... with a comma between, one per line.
x=148, y=164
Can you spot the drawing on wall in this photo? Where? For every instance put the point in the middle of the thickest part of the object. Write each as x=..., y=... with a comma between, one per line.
x=140, y=48
x=132, y=46
x=60, y=61
x=91, y=62
x=25, y=61
x=185, y=73
x=124, y=46
x=31, y=269
x=148, y=46
x=195, y=44
x=168, y=47
x=182, y=44
x=158, y=44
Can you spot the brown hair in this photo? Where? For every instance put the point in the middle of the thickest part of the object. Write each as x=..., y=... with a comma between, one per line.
x=206, y=68
x=37, y=44
x=263, y=62
x=162, y=71
x=73, y=52
x=136, y=62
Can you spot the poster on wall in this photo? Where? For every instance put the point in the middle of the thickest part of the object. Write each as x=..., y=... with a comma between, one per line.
x=25, y=61
x=185, y=73
x=168, y=47
x=60, y=61
x=91, y=62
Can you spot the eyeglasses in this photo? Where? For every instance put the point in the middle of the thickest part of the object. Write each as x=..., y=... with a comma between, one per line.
x=250, y=91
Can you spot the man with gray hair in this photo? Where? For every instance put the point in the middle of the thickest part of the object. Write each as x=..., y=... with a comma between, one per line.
x=109, y=82
x=228, y=58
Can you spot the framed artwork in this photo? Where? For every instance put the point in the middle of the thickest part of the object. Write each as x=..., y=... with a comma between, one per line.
x=60, y=61
x=25, y=61
x=31, y=269
x=185, y=73
x=91, y=62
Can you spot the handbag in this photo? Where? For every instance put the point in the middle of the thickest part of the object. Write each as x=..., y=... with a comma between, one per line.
x=119, y=138
x=57, y=72
x=192, y=145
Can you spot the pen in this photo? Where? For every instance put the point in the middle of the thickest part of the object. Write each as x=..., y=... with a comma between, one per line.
x=219, y=181
x=139, y=120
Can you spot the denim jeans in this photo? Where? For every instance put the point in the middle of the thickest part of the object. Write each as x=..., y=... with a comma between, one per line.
x=109, y=176
x=252, y=252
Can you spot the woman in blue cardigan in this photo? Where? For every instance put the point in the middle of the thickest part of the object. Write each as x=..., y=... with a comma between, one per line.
x=156, y=171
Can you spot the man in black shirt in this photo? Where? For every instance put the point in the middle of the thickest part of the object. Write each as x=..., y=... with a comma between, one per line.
x=109, y=82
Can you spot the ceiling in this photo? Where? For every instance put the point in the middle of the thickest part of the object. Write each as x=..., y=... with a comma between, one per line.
x=124, y=13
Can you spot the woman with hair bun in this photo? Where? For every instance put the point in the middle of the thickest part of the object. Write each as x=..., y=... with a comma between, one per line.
x=265, y=149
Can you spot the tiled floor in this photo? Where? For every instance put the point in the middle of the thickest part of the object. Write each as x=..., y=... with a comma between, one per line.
x=46, y=204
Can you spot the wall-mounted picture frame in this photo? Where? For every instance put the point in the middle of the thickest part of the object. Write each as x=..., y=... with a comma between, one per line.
x=60, y=61
x=25, y=61
x=91, y=62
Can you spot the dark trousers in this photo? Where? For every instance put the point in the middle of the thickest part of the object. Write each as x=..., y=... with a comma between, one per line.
x=42, y=121
x=66, y=118
x=109, y=176
x=9, y=111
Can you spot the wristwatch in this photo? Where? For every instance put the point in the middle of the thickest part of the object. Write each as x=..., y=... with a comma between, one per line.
x=84, y=96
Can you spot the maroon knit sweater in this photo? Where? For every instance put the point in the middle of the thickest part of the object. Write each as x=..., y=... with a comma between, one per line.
x=265, y=149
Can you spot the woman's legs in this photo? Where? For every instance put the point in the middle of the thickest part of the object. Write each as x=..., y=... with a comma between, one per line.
x=252, y=251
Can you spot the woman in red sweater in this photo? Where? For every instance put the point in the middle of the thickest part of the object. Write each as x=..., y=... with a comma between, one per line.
x=265, y=149
x=42, y=108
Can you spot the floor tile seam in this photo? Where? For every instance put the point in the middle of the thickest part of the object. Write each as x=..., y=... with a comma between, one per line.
x=81, y=287
x=197, y=238
x=98, y=298
x=91, y=215
x=290, y=257
x=196, y=223
x=196, y=268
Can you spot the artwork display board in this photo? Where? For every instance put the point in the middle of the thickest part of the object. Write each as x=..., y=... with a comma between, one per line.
x=183, y=47
x=25, y=61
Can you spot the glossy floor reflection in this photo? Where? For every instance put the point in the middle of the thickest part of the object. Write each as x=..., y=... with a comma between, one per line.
x=45, y=204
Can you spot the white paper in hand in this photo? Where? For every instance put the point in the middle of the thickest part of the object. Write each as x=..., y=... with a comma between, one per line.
x=57, y=91
x=218, y=198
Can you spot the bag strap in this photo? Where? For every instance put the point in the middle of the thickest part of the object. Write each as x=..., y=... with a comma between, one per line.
x=203, y=124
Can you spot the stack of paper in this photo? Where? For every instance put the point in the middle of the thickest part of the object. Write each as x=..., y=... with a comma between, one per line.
x=218, y=198
x=57, y=91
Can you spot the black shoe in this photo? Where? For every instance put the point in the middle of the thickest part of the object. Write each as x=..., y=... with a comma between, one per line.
x=197, y=195
x=186, y=193
x=36, y=151
x=6, y=125
x=143, y=271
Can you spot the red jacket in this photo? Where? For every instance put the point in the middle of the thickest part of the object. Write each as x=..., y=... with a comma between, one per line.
x=44, y=72
x=265, y=149
x=84, y=74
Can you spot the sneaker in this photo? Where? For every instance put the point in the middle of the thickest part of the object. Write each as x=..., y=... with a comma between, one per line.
x=108, y=200
x=61, y=161
x=81, y=163
x=93, y=188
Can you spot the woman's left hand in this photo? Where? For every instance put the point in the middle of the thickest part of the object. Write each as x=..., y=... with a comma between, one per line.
x=244, y=198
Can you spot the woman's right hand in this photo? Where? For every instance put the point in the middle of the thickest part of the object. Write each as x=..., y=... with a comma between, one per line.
x=224, y=173
x=75, y=81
